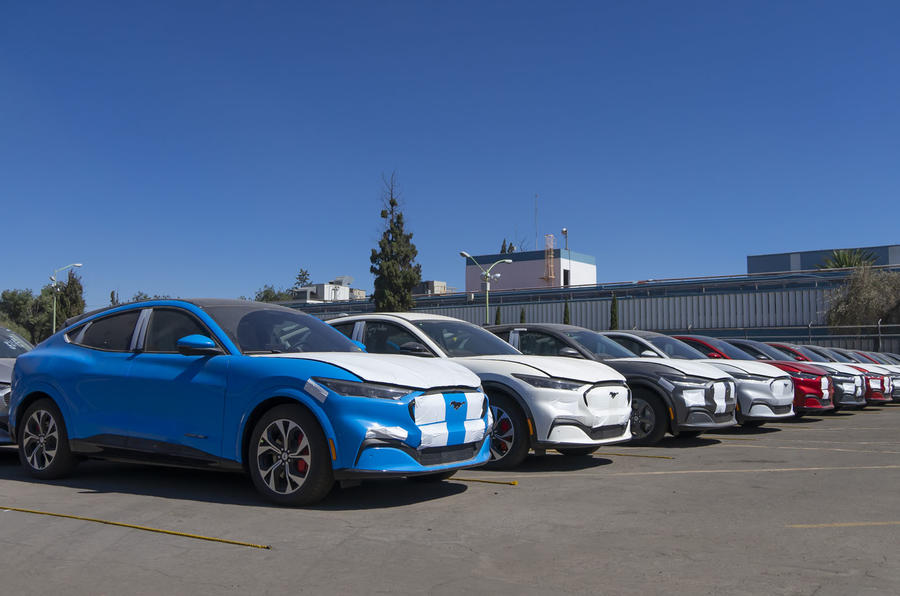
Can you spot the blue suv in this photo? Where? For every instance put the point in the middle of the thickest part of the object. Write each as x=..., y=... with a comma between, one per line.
x=241, y=385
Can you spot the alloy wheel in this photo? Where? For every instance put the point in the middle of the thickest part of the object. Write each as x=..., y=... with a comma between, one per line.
x=40, y=439
x=503, y=435
x=643, y=418
x=283, y=456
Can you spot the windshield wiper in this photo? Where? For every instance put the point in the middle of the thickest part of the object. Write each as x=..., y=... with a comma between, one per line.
x=251, y=352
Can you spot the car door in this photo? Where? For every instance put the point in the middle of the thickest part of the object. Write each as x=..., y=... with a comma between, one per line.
x=100, y=385
x=177, y=402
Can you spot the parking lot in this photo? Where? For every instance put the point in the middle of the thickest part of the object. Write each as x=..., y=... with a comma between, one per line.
x=802, y=507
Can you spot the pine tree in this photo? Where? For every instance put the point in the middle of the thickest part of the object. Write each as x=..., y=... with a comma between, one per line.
x=567, y=319
x=393, y=263
x=522, y=315
x=114, y=298
x=503, y=247
x=497, y=316
x=614, y=313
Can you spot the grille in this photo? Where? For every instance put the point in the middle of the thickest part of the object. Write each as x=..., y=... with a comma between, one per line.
x=433, y=456
x=606, y=432
x=781, y=409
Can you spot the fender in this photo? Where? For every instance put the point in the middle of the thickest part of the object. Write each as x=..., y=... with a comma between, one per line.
x=40, y=386
x=488, y=385
x=292, y=393
x=649, y=385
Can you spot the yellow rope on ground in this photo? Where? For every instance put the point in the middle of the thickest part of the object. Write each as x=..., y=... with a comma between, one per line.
x=136, y=527
x=507, y=482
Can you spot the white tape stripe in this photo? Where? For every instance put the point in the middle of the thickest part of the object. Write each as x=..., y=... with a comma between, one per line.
x=719, y=397
x=474, y=402
x=434, y=435
x=430, y=409
x=475, y=430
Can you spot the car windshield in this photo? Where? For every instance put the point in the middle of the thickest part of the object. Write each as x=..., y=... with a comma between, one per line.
x=600, y=345
x=836, y=356
x=851, y=357
x=259, y=329
x=458, y=338
x=771, y=352
x=879, y=358
x=729, y=350
x=675, y=348
x=12, y=344
x=813, y=356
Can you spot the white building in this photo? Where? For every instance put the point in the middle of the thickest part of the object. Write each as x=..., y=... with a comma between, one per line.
x=554, y=268
x=336, y=290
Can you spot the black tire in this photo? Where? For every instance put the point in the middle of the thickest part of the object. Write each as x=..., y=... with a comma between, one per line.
x=429, y=478
x=576, y=451
x=689, y=434
x=44, y=449
x=648, y=415
x=272, y=457
x=510, y=437
x=752, y=423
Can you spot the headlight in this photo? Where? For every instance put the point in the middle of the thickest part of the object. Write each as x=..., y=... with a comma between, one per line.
x=551, y=382
x=691, y=389
x=803, y=375
x=356, y=389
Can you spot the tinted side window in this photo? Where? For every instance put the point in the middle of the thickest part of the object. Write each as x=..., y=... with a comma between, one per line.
x=72, y=335
x=539, y=344
x=346, y=329
x=167, y=326
x=112, y=333
x=386, y=338
x=629, y=344
x=703, y=349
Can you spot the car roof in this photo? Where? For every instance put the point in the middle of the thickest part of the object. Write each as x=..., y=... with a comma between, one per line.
x=549, y=326
x=406, y=316
x=637, y=332
x=199, y=302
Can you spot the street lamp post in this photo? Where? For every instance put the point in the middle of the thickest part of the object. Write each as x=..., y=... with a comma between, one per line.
x=486, y=276
x=56, y=288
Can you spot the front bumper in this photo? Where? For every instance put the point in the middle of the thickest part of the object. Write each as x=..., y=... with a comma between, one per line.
x=421, y=434
x=814, y=403
x=598, y=415
x=768, y=399
x=717, y=411
x=390, y=458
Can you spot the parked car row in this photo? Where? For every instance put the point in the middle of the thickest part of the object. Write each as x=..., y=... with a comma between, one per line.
x=299, y=404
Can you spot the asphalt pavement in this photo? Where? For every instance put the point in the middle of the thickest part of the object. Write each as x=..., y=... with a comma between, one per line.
x=805, y=506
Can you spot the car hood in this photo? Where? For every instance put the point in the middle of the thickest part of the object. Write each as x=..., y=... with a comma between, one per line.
x=6, y=367
x=878, y=369
x=752, y=367
x=839, y=367
x=554, y=366
x=407, y=371
x=694, y=368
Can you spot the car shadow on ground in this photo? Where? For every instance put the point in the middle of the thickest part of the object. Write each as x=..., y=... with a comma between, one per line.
x=100, y=477
x=803, y=420
x=551, y=462
x=669, y=442
x=746, y=430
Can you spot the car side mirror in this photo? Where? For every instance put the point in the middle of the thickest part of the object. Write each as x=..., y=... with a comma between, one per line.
x=360, y=345
x=414, y=348
x=198, y=345
x=713, y=355
x=569, y=352
x=648, y=354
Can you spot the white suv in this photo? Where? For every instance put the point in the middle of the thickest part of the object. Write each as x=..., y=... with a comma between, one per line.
x=537, y=402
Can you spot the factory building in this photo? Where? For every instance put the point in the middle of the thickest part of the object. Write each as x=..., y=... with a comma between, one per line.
x=814, y=259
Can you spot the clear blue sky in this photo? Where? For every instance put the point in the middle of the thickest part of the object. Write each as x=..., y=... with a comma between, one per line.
x=205, y=149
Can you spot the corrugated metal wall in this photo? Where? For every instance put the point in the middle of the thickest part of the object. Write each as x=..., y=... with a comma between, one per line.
x=789, y=307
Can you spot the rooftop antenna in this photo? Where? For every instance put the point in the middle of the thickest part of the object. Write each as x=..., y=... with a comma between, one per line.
x=535, y=222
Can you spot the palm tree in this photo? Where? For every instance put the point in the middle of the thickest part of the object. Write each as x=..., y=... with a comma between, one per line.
x=848, y=258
